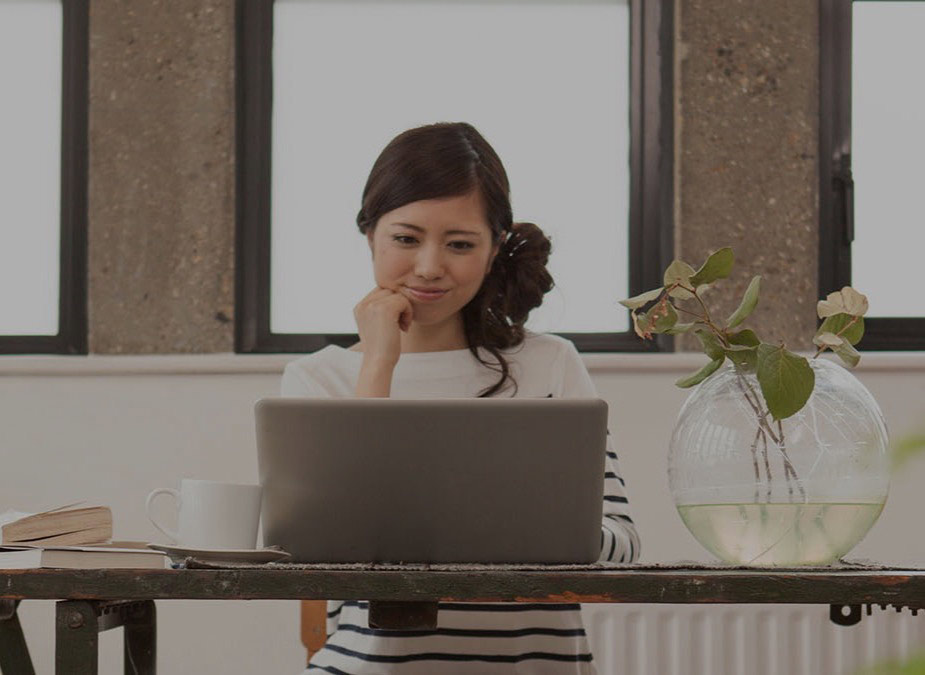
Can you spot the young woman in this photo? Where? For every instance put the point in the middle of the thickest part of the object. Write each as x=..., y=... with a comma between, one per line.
x=455, y=281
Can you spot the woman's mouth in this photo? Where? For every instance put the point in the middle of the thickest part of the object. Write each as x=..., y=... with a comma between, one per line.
x=425, y=295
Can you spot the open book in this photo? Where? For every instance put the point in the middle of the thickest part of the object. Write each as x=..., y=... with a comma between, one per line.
x=64, y=526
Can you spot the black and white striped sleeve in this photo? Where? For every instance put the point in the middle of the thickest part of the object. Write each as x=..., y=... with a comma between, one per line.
x=619, y=538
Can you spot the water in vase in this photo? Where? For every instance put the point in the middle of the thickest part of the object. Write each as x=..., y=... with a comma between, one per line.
x=780, y=534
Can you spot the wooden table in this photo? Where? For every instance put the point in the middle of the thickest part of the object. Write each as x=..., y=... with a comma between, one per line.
x=405, y=596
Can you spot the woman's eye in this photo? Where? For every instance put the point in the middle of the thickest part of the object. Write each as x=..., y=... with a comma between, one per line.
x=458, y=245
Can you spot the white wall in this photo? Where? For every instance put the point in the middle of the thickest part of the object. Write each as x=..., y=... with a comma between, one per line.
x=110, y=429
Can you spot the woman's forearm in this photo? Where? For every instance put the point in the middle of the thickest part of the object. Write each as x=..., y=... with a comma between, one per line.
x=375, y=380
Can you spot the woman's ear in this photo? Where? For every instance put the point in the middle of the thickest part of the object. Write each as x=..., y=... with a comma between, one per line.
x=494, y=254
x=369, y=238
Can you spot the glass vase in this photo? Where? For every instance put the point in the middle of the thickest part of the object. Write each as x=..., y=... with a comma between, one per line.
x=800, y=491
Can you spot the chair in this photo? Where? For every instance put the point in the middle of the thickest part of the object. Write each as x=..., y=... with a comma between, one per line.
x=314, y=625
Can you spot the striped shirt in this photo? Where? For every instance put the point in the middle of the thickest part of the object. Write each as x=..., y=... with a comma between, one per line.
x=470, y=638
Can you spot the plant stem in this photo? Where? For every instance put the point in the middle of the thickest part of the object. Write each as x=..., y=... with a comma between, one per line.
x=755, y=462
x=705, y=318
x=767, y=464
x=788, y=466
x=765, y=431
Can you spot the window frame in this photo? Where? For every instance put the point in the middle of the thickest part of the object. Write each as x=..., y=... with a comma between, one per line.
x=651, y=212
x=836, y=184
x=72, y=286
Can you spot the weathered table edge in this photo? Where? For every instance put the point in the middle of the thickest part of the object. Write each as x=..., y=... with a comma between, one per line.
x=672, y=586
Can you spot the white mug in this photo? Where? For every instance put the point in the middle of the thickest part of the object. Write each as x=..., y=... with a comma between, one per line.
x=212, y=515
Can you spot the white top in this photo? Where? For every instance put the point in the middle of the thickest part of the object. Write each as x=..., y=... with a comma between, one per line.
x=470, y=638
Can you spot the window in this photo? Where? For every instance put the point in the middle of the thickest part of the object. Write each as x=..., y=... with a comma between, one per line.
x=43, y=176
x=308, y=134
x=871, y=144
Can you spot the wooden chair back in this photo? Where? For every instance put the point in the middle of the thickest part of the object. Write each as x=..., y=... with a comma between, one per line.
x=314, y=625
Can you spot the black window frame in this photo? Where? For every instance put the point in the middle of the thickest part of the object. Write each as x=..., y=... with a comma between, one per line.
x=72, y=286
x=651, y=179
x=836, y=183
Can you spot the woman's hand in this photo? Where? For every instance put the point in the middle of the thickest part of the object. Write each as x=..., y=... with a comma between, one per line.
x=379, y=317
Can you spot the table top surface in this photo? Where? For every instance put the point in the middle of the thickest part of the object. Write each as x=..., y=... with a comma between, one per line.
x=481, y=583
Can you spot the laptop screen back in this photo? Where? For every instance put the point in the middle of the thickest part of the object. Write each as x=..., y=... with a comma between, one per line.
x=436, y=480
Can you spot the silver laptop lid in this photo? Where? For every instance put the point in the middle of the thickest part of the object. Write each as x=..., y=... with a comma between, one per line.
x=435, y=480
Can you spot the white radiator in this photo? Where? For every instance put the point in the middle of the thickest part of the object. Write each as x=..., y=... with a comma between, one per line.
x=744, y=639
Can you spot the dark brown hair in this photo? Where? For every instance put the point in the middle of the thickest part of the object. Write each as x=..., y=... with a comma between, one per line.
x=451, y=159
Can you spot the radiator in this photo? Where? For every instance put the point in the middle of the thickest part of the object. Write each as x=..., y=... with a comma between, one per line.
x=744, y=639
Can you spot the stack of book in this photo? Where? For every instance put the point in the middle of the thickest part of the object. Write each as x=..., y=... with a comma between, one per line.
x=78, y=538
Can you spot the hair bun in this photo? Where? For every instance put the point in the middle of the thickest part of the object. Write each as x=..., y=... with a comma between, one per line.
x=526, y=243
x=521, y=280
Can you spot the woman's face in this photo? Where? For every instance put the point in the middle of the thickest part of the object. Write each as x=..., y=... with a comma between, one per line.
x=442, y=244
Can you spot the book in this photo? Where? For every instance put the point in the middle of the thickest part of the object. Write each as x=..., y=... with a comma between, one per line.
x=82, y=557
x=64, y=526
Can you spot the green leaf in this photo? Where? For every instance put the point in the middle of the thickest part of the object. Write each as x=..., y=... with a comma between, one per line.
x=848, y=354
x=827, y=339
x=742, y=349
x=745, y=338
x=641, y=325
x=845, y=301
x=744, y=357
x=700, y=375
x=717, y=266
x=711, y=345
x=679, y=272
x=747, y=305
x=786, y=380
x=836, y=324
x=662, y=316
x=679, y=328
x=642, y=299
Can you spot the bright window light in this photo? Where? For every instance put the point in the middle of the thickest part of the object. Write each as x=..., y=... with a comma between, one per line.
x=888, y=144
x=30, y=166
x=546, y=83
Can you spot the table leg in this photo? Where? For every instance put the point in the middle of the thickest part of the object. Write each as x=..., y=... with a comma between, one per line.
x=76, y=638
x=140, y=637
x=14, y=653
x=79, y=623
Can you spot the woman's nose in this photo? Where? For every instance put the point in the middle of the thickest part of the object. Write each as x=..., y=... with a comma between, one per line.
x=429, y=262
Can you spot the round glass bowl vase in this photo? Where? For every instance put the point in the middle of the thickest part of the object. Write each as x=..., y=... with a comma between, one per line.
x=799, y=491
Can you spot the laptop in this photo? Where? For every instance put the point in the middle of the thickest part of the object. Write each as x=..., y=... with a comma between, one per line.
x=473, y=480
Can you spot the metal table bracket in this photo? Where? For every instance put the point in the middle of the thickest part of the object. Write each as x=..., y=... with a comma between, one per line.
x=79, y=623
x=838, y=615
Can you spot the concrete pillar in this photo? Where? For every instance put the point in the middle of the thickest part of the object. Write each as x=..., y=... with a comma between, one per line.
x=746, y=158
x=161, y=190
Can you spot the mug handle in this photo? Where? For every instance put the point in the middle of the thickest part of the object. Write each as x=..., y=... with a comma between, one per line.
x=154, y=493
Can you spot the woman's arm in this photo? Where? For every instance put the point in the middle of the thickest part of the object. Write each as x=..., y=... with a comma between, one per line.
x=619, y=538
x=375, y=380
